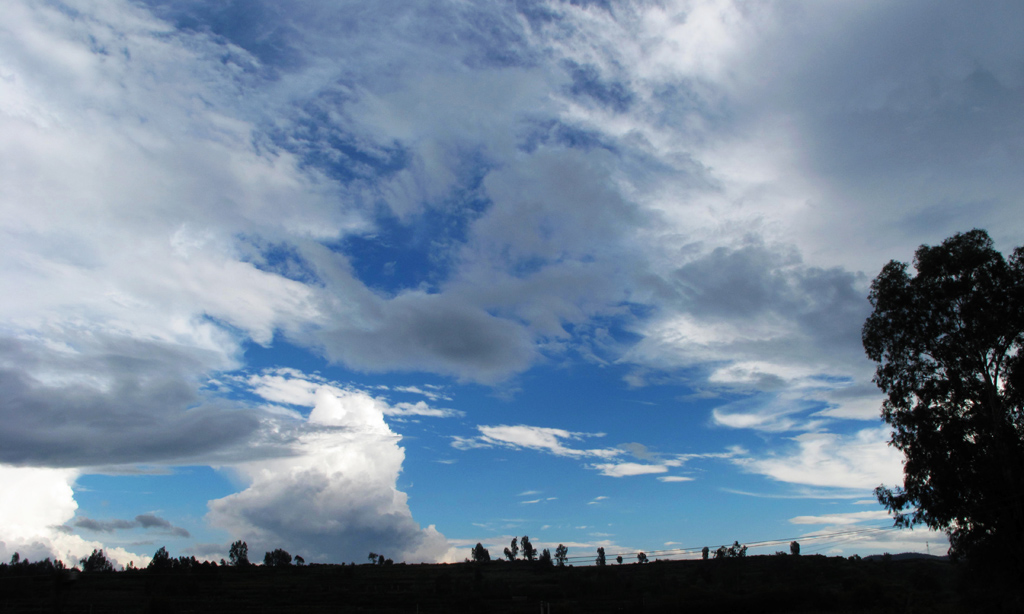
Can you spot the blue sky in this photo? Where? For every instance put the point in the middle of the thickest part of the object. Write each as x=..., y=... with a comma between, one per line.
x=343, y=277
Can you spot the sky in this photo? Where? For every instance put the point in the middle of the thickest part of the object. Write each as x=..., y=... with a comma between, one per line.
x=401, y=277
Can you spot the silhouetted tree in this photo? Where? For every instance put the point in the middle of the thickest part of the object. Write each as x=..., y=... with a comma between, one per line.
x=161, y=560
x=96, y=562
x=618, y=559
x=704, y=553
x=529, y=552
x=480, y=554
x=509, y=555
x=721, y=552
x=794, y=548
x=600, y=557
x=239, y=554
x=373, y=557
x=641, y=557
x=949, y=343
x=277, y=558
x=515, y=548
x=735, y=550
x=544, y=560
x=299, y=560
x=561, y=554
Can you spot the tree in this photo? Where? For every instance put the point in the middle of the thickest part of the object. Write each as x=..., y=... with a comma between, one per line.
x=239, y=554
x=794, y=548
x=96, y=562
x=600, y=557
x=480, y=554
x=515, y=548
x=373, y=557
x=545, y=558
x=948, y=347
x=277, y=558
x=618, y=559
x=641, y=557
x=509, y=555
x=161, y=560
x=529, y=552
x=704, y=553
x=561, y=554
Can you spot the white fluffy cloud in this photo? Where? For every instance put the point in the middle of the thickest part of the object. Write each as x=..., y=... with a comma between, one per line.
x=618, y=470
x=866, y=532
x=533, y=437
x=35, y=503
x=863, y=460
x=334, y=498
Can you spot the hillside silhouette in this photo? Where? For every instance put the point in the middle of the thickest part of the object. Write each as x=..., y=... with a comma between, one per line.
x=779, y=583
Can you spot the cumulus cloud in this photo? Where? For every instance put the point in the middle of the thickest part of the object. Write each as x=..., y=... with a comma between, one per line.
x=35, y=504
x=335, y=497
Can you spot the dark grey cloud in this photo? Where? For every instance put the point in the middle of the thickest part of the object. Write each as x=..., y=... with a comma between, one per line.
x=142, y=521
x=827, y=306
x=431, y=332
x=112, y=401
x=907, y=118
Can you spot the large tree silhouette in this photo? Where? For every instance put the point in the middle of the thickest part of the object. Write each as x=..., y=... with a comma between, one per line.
x=948, y=345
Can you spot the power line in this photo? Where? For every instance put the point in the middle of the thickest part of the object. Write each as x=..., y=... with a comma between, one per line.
x=829, y=539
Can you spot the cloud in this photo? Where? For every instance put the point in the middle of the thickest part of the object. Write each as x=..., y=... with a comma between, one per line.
x=334, y=498
x=143, y=521
x=675, y=478
x=105, y=399
x=284, y=385
x=618, y=470
x=535, y=438
x=841, y=518
x=35, y=505
x=863, y=460
x=431, y=393
x=859, y=532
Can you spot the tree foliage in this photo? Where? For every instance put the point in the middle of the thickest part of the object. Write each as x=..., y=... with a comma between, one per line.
x=561, y=555
x=161, y=559
x=239, y=554
x=947, y=343
x=600, y=557
x=480, y=554
x=529, y=552
x=277, y=558
x=96, y=561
